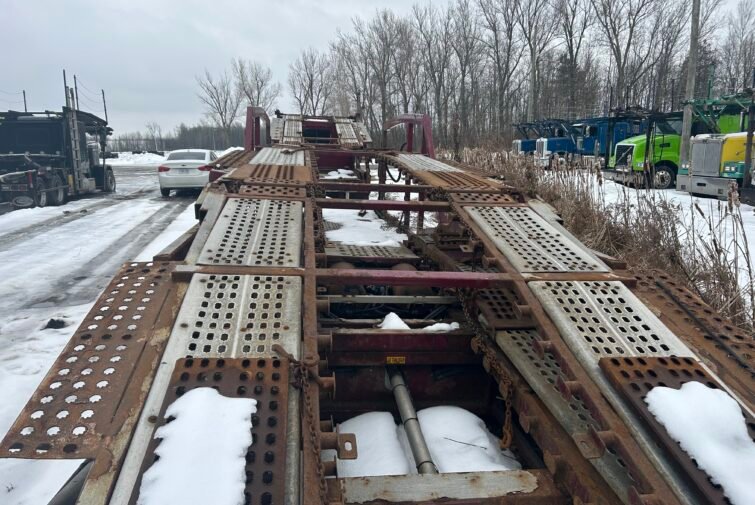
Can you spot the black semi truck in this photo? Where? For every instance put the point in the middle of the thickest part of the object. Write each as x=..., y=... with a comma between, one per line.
x=48, y=157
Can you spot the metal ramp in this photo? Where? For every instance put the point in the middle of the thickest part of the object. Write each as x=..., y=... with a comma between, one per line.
x=256, y=232
x=532, y=244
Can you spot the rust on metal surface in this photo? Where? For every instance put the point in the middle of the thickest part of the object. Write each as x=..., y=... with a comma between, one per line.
x=508, y=198
x=729, y=351
x=74, y=407
x=264, y=380
x=635, y=377
x=454, y=180
x=258, y=191
x=254, y=173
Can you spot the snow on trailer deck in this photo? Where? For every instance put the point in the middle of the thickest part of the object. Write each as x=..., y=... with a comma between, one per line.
x=493, y=344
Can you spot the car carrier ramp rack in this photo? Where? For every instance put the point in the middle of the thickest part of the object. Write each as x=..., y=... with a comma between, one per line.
x=555, y=350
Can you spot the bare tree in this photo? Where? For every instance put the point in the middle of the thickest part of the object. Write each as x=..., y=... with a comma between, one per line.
x=499, y=20
x=434, y=30
x=310, y=81
x=738, y=57
x=381, y=36
x=537, y=21
x=621, y=23
x=154, y=132
x=255, y=81
x=575, y=17
x=221, y=99
x=466, y=45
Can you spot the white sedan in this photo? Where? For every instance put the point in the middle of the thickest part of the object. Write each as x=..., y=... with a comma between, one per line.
x=185, y=169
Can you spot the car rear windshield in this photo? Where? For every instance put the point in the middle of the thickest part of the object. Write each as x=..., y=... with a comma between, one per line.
x=187, y=155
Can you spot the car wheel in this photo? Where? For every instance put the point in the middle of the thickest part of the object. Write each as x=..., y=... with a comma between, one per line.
x=664, y=177
x=57, y=196
x=165, y=192
x=40, y=197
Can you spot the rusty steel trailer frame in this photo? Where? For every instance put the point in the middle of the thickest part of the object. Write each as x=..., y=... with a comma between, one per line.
x=503, y=260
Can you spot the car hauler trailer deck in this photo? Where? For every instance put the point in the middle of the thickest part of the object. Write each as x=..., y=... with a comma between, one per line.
x=556, y=349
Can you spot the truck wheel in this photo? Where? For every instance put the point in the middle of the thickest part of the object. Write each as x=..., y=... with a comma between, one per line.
x=109, y=183
x=58, y=196
x=664, y=177
x=40, y=198
x=165, y=192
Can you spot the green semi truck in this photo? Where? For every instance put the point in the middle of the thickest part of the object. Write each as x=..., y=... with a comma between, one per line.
x=629, y=165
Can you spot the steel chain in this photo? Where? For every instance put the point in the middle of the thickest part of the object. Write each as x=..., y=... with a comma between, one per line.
x=505, y=383
x=301, y=373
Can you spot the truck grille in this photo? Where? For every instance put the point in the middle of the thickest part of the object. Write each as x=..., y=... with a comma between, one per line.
x=541, y=146
x=624, y=155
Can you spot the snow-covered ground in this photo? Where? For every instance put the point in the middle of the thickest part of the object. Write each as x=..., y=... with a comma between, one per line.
x=129, y=159
x=712, y=210
x=54, y=262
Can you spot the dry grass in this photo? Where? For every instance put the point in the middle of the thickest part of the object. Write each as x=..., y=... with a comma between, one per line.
x=645, y=229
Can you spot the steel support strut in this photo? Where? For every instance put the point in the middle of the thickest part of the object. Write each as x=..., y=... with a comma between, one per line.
x=411, y=424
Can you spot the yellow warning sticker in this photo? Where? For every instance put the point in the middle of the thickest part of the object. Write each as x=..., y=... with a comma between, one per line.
x=395, y=360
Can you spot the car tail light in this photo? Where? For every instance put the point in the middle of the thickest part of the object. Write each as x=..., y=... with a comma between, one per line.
x=163, y=168
x=205, y=168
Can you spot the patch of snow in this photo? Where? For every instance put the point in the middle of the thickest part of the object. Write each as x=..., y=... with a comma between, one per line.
x=229, y=150
x=341, y=173
x=202, y=452
x=440, y=327
x=459, y=441
x=365, y=230
x=17, y=488
x=393, y=322
x=128, y=158
x=710, y=427
x=378, y=448
x=178, y=227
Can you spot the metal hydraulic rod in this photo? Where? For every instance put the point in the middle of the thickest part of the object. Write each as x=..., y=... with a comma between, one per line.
x=409, y=419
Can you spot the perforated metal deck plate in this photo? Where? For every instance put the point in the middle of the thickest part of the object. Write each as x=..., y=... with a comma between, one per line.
x=347, y=135
x=264, y=380
x=530, y=243
x=239, y=316
x=292, y=131
x=544, y=373
x=74, y=405
x=487, y=198
x=635, y=377
x=420, y=162
x=271, y=174
x=256, y=232
x=339, y=250
x=278, y=156
x=451, y=181
x=258, y=191
x=604, y=319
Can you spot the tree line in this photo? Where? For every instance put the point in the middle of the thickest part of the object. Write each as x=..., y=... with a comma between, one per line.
x=478, y=66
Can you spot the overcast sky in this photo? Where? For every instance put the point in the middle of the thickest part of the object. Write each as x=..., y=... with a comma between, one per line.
x=146, y=53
